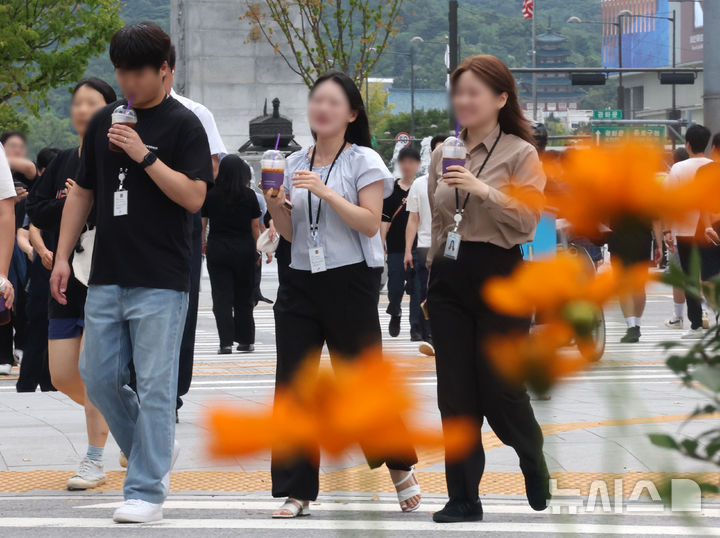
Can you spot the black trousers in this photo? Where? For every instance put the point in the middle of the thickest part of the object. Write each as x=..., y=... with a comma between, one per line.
x=231, y=264
x=35, y=370
x=694, y=305
x=338, y=307
x=467, y=383
x=187, y=346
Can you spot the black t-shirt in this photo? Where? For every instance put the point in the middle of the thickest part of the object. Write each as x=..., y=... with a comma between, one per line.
x=396, y=205
x=231, y=218
x=150, y=246
x=47, y=197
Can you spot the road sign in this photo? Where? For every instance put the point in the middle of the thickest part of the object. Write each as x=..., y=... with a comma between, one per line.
x=608, y=114
x=616, y=132
x=403, y=137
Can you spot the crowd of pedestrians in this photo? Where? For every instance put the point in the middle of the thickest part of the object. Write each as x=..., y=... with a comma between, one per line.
x=101, y=248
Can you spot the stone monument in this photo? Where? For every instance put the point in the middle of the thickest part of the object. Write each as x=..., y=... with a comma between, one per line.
x=228, y=66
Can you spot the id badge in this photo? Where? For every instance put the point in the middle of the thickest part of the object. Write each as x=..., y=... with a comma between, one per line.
x=317, y=260
x=452, y=246
x=121, y=203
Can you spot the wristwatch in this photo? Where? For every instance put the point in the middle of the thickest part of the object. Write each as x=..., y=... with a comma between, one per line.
x=149, y=159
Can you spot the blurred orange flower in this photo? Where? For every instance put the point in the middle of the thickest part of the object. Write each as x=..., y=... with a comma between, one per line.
x=537, y=359
x=548, y=287
x=566, y=297
x=360, y=402
x=603, y=184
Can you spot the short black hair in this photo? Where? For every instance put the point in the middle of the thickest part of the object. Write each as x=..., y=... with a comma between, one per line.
x=100, y=86
x=45, y=157
x=139, y=45
x=437, y=139
x=408, y=153
x=540, y=134
x=7, y=135
x=171, y=57
x=716, y=141
x=698, y=136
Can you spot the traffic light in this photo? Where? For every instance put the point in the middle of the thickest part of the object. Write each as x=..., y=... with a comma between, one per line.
x=588, y=79
x=670, y=77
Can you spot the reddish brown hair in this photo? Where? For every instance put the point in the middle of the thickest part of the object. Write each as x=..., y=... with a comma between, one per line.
x=493, y=72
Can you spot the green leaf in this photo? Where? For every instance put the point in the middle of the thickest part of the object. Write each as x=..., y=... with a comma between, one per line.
x=663, y=440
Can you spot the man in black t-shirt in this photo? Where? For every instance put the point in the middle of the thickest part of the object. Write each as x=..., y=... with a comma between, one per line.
x=394, y=222
x=144, y=197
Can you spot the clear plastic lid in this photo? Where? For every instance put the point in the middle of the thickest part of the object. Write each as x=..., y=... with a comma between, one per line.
x=454, y=148
x=123, y=112
x=273, y=158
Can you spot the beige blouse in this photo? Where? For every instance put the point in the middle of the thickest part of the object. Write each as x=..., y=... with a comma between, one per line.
x=500, y=219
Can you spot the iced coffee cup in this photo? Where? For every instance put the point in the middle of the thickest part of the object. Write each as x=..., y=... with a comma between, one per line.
x=122, y=115
x=273, y=171
x=453, y=153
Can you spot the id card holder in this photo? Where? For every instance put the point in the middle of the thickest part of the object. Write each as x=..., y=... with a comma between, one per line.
x=120, y=208
x=317, y=260
x=452, y=246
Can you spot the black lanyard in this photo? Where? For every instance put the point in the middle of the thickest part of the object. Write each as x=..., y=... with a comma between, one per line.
x=458, y=210
x=314, y=227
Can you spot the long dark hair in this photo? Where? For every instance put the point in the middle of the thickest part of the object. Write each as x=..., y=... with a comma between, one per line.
x=358, y=132
x=100, y=86
x=493, y=72
x=233, y=179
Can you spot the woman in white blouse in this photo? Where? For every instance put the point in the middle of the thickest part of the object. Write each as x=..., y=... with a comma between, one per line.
x=331, y=293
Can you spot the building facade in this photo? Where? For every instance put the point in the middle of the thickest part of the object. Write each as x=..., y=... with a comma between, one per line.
x=226, y=64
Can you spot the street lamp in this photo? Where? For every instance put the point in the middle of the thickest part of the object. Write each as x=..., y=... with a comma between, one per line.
x=673, y=20
x=411, y=55
x=618, y=26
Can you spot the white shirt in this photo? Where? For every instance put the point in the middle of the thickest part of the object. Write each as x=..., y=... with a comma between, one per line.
x=7, y=186
x=418, y=202
x=217, y=147
x=356, y=168
x=682, y=172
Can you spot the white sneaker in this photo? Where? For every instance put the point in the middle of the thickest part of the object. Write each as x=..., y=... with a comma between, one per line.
x=18, y=355
x=5, y=369
x=122, y=460
x=166, y=478
x=90, y=475
x=138, y=511
x=674, y=322
x=693, y=334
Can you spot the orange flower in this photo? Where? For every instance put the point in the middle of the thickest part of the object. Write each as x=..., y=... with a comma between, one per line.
x=546, y=287
x=604, y=184
x=361, y=402
x=538, y=358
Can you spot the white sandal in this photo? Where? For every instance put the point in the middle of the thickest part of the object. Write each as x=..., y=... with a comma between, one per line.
x=296, y=507
x=408, y=493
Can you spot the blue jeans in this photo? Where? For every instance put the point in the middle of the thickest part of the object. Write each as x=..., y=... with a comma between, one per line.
x=399, y=281
x=143, y=326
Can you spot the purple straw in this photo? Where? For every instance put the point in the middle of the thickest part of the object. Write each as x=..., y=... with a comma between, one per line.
x=130, y=101
x=457, y=129
x=277, y=142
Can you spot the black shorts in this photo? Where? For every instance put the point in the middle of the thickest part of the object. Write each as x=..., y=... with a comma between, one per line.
x=75, y=308
x=631, y=245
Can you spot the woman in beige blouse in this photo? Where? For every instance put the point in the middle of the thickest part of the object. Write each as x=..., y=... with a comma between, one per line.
x=477, y=232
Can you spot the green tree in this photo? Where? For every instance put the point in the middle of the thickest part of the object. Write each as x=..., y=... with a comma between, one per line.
x=377, y=107
x=10, y=120
x=316, y=36
x=47, y=43
x=49, y=130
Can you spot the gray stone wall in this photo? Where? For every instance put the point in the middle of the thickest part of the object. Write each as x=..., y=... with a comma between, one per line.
x=232, y=77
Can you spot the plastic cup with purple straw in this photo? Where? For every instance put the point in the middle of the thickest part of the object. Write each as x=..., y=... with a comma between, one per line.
x=123, y=115
x=453, y=151
x=272, y=165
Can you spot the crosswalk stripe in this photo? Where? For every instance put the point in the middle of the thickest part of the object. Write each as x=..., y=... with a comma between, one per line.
x=370, y=525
